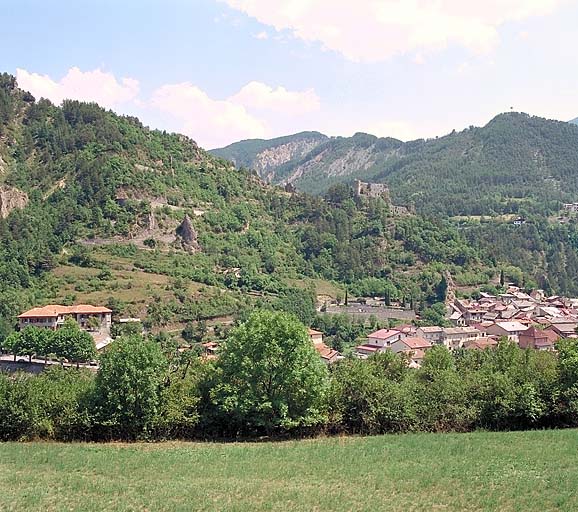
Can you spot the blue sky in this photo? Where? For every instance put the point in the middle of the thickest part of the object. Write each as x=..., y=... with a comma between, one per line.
x=224, y=70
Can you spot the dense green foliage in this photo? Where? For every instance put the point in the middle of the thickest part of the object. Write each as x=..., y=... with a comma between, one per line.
x=270, y=380
x=102, y=184
x=128, y=386
x=270, y=376
x=67, y=343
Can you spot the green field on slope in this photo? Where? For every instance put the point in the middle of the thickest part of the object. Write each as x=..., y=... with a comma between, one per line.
x=523, y=471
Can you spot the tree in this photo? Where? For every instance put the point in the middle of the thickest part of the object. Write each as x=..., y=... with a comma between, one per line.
x=34, y=340
x=72, y=343
x=435, y=315
x=128, y=386
x=271, y=376
x=195, y=332
x=10, y=343
x=568, y=362
x=30, y=341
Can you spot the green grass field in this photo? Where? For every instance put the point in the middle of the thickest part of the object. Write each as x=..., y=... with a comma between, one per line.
x=529, y=471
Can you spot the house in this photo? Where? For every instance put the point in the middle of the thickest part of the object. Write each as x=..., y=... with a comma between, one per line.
x=328, y=355
x=315, y=336
x=471, y=313
x=407, y=329
x=456, y=337
x=364, y=351
x=537, y=339
x=565, y=330
x=510, y=330
x=457, y=318
x=537, y=295
x=378, y=341
x=433, y=334
x=210, y=349
x=415, y=357
x=89, y=318
x=384, y=337
x=571, y=207
x=481, y=343
x=410, y=343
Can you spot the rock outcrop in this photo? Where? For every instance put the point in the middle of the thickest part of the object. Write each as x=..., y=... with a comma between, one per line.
x=188, y=235
x=11, y=199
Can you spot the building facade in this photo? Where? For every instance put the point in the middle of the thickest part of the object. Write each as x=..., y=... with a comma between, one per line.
x=89, y=318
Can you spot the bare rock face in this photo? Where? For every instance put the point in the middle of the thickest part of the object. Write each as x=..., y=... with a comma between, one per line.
x=268, y=160
x=11, y=199
x=188, y=235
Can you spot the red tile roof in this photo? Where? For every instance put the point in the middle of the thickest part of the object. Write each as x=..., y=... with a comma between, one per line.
x=415, y=342
x=326, y=352
x=52, y=310
x=383, y=334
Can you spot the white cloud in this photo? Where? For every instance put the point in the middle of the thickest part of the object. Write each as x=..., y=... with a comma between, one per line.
x=374, y=30
x=97, y=85
x=262, y=35
x=260, y=96
x=211, y=122
x=251, y=112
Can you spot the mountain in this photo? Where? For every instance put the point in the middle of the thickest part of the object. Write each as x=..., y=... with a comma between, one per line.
x=514, y=163
x=271, y=157
x=574, y=121
x=98, y=208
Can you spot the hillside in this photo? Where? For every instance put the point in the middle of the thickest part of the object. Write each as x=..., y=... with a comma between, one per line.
x=514, y=163
x=98, y=207
x=457, y=472
x=574, y=121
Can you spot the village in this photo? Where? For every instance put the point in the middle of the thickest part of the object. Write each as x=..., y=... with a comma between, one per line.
x=530, y=320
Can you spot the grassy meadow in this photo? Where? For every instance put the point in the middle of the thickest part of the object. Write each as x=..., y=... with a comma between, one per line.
x=523, y=471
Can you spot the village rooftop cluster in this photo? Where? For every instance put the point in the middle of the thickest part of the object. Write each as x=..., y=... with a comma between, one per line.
x=532, y=321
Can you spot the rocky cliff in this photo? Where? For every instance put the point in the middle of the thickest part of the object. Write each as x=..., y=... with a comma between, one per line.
x=10, y=199
x=272, y=159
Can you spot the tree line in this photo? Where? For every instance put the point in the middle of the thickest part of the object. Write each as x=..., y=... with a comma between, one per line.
x=270, y=381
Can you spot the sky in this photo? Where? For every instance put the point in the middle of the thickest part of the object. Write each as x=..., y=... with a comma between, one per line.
x=226, y=70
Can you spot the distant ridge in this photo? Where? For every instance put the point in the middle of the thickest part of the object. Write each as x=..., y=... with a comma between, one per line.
x=515, y=159
x=269, y=157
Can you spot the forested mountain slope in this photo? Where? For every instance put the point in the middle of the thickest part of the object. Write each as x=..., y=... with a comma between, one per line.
x=91, y=200
x=97, y=207
x=514, y=163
